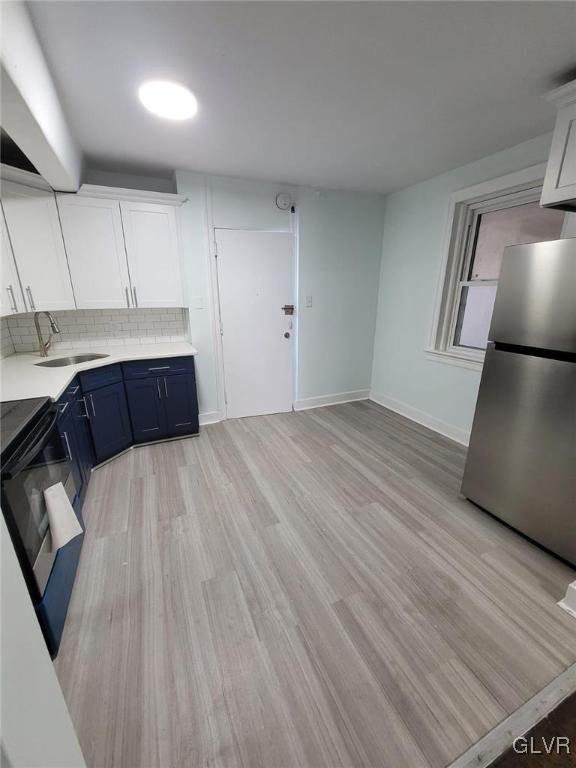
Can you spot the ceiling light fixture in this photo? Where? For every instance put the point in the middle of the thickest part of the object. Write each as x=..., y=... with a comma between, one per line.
x=166, y=99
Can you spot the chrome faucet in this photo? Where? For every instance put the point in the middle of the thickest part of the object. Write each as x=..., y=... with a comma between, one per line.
x=45, y=345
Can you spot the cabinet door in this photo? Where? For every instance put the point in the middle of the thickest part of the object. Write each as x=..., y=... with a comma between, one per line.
x=66, y=427
x=83, y=437
x=11, y=299
x=146, y=413
x=36, y=237
x=560, y=182
x=180, y=404
x=92, y=230
x=153, y=254
x=109, y=420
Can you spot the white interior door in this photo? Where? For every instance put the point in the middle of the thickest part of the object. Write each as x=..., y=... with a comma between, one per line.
x=255, y=280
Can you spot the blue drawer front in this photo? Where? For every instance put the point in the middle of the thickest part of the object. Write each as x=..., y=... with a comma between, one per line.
x=53, y=607
x=141, y=369
x=101, y=377
x=67, y=398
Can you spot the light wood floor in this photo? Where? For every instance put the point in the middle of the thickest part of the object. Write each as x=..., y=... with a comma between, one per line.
x=303, y=589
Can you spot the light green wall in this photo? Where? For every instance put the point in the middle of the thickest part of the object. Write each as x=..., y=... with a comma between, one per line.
x=340, y=236
x=339, y=244
x=414, y=223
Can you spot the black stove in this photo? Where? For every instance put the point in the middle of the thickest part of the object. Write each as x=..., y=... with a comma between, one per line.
x=15, y=416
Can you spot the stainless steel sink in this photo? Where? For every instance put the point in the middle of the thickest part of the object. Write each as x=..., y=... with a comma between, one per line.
x=59, y=362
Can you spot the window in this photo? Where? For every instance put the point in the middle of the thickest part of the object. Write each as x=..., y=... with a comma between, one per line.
x=481, y=226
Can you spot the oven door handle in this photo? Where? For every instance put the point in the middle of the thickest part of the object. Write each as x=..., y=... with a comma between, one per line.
x=37, y=441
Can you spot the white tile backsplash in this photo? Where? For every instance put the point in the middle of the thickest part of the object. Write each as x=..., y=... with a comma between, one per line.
x=96, y=327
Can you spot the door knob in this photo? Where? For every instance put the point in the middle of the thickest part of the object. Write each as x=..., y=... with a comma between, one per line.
x=288, y=309
x=286, y=335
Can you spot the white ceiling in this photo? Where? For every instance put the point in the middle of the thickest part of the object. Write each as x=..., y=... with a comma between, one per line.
x=345, y=95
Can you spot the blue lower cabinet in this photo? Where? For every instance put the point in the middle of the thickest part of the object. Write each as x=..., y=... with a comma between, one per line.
x=163, y=406
x=66, y=427
x=180, y=404
x=83, y=439
x=109, y=420
x=146, y=413
x=75, y=434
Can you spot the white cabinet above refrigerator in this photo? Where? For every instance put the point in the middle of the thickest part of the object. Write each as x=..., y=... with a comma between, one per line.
x=559, y=189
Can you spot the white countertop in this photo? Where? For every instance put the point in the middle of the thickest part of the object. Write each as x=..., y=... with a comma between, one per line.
x=21, y=379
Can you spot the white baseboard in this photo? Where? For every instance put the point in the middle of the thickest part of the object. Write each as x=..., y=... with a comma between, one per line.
x=334, y=399
x=569, y=601
x=457, y=434
x=210, y=417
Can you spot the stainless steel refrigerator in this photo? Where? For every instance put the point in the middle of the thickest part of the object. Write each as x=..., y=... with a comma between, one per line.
x=521, y=463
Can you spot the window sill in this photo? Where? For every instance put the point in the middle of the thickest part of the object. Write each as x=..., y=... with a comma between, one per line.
x=471, y=361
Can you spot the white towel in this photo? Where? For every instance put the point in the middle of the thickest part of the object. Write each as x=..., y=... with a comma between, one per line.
x=64, y=525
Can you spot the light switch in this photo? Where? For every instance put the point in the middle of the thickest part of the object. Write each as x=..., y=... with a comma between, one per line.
x=308, y=301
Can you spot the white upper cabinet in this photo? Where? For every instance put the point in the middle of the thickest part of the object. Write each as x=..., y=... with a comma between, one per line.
x=11, y=299
x=34, y=228
x=152, y=245
x=559, y=189
x=92, y=230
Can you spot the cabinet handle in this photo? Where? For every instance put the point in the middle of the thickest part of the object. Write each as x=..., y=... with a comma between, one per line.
x=165, y=387
x=134, y=296
x=62, y=409
x=84, y=415
x=158, y=388
x=10, y=291
x=31, y=299
x=73, y=392
x=160, y=368
x=127, y=296
x=68, y=445
x=92, y=403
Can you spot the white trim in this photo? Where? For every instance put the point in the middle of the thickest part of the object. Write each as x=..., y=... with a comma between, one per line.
x=450, y=265
x=19, y=176
x=131, y=195
x=457, y=434
x=502, y=736
x=210, y=417
x=563, y=95
x=568, y=603
x=215, y=304
x=455, y=358
x=334, y=399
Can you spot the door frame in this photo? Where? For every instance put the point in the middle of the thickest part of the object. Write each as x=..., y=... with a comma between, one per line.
x=219, y=344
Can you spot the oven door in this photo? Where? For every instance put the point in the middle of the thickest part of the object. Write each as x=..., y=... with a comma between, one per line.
x=39, y=462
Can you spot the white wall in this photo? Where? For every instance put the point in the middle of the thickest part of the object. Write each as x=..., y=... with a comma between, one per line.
x=338, y=238
x=439, y=394
x=35, y=725
x=128, y=180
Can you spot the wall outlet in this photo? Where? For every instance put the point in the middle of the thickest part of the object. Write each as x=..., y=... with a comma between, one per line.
x=197, y=302
x=308, y=301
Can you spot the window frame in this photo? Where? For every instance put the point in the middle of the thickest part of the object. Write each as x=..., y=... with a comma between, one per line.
x=463, y=211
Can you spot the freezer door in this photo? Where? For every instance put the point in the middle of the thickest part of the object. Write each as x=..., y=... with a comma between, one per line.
x=536, y=298
x=521, y=463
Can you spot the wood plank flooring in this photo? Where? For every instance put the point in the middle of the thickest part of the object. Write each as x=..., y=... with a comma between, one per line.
x=302, y=590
